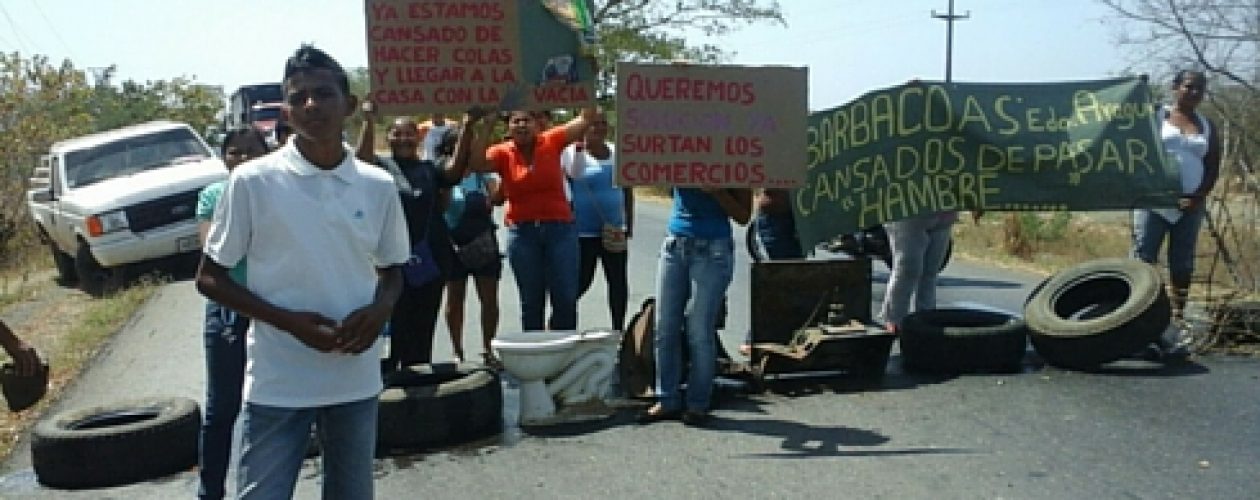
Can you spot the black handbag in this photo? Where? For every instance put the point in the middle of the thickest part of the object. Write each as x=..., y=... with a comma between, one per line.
x=483, y=249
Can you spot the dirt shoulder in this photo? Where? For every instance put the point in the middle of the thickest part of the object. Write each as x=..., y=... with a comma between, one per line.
x=67, y=327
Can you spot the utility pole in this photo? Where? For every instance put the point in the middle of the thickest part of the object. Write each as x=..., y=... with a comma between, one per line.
x=949, y=19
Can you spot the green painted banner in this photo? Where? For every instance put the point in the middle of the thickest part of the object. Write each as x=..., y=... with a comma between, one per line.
x=929, y=146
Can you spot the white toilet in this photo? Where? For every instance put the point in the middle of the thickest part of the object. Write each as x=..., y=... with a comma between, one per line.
x=571, y=367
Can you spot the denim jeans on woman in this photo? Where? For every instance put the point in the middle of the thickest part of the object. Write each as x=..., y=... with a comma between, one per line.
x=275, y=439
x=544, y=260
x=225, y=374
x=919, y=245
x=692, y=278
x=1149, y=230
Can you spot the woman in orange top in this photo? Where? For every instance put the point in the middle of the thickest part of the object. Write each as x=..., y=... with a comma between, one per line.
x=542, y=243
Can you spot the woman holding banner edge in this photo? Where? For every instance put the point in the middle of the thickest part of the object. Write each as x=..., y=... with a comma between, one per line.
x=1190, y=138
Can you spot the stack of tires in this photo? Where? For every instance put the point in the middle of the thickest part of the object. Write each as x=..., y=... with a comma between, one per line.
x=1097, y=312
x=429, y=405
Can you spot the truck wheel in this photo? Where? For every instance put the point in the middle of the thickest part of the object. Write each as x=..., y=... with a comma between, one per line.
x=116, y=444
x=427, y=405
x=962, y=341
x=1097, y=312
x=67, y=275
x=94, y=279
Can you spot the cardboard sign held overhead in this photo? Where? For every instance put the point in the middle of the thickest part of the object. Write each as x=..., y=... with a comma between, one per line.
x=693, y=125
x=449, y=55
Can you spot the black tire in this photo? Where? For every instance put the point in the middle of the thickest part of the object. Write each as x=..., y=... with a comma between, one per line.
x=66, y=273
x=94, y=279
x=751, y=243
x=1097, y=312
x=1036, y=289
x=949, y=341
x=424, y=406
x=116, y=444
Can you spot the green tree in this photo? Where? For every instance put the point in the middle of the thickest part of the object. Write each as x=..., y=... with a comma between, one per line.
x=653, y=31
x=42, y=103
x=178, y=99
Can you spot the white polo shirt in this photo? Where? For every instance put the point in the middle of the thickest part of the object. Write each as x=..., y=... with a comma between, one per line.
x=314, y=239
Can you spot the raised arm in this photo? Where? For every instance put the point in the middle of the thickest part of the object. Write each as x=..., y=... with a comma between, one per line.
x=365, y=149
x=470, y=150
x=483, y=137
x=576, y=128
x=26, y=361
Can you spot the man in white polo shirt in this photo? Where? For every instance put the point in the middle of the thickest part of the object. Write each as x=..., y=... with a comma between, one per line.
x=325, y=238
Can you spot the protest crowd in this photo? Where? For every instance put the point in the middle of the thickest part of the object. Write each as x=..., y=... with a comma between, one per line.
x=423, y=224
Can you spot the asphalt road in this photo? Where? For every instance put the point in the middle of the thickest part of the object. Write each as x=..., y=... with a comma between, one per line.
x=1135, y=430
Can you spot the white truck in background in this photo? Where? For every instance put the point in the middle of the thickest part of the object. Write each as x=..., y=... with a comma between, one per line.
x=110, y=199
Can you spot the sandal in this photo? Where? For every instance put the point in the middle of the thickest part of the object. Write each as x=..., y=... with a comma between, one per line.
x=657, y=413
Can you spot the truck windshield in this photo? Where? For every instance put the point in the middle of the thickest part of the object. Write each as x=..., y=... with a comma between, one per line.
x=132, y=155
x=261, y=113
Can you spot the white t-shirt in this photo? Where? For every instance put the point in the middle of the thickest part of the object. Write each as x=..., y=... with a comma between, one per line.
x=314, y=239
x=432, y=138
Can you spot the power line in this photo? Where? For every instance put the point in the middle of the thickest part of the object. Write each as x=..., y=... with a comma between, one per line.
x=17, y=36
x=53, y=28
x=949, y=19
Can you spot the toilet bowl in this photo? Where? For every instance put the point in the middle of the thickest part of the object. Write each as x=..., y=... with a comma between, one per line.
x=569, y=366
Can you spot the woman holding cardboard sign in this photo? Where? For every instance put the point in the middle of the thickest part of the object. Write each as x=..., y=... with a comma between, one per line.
x=542, y=245
x=696, y=265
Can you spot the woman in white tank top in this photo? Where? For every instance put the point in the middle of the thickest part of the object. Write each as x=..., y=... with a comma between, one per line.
x=1189, y=139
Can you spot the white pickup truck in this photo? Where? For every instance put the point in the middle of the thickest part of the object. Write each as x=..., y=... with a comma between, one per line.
x=123, y=196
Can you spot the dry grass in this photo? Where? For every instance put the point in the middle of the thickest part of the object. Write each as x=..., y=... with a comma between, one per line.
x=1006, y=239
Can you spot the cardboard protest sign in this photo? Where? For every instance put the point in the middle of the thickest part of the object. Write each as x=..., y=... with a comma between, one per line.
x=450, y=55
x=693, y=125
x=927, y=147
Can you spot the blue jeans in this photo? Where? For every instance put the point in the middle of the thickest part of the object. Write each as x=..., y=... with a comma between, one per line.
x=225, y=374
x=275, y=440
x=778, y=236
x=1149, y=229
x=544, y=260
x=918, y=246
x=691, y=280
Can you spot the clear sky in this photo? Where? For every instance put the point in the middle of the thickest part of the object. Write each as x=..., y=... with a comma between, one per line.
x=850, y=46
